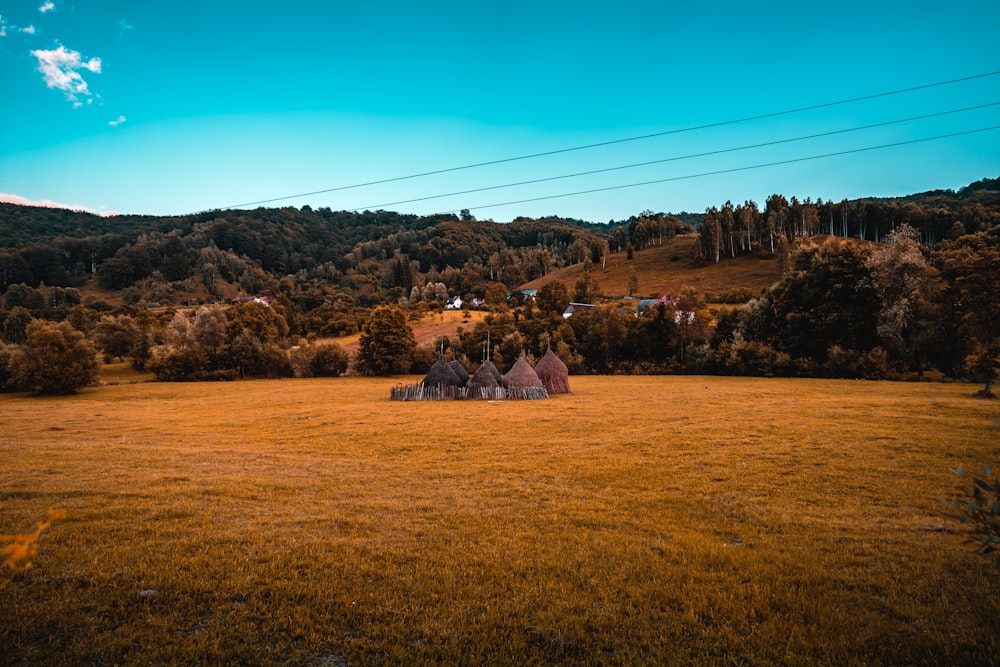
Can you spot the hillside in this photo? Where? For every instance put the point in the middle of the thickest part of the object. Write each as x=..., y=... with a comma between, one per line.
x=357, y=260
x=667, y=268
x=425, y=330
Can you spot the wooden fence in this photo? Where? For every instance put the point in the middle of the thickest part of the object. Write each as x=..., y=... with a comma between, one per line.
x=422, y=392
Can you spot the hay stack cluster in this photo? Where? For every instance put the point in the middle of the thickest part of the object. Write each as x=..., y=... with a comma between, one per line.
x=449, y=380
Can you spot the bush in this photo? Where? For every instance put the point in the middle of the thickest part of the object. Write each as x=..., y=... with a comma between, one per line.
x=252, y=358
x=737, y=295
x=6, y=352
x=319, y=360
x=55, y=359
x=741, y=357
x=183, y=363
x=983, y=511
x=271, y=362
x=424, y=357
x=871, y=365
x=330, y=360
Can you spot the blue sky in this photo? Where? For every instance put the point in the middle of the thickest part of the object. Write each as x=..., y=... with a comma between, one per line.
x=171, y=108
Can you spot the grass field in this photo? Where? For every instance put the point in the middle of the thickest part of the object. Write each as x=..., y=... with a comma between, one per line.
x=425, y=330
x=666, y=520
x=668, y=268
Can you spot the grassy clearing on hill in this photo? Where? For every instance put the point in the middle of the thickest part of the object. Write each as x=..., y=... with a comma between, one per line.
x=425, y=330
x=667, y=268
x=666, y=520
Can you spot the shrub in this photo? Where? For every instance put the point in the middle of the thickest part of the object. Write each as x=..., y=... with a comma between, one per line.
x=319, y=360
x=6, y=352
x=983, y=511
x=424, y=357
x=741, y=357
x=182, y=363
x=871, y=365
x=301, y=359
x=840, y=362
x=253, y=358
x=329, y=360
x=737, y=295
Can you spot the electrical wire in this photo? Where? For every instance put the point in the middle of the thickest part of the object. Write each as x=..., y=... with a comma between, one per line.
x=671, y=159
x=619, y=141
x=728, y=171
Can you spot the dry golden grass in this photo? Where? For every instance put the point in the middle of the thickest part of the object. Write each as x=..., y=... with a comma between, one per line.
x=666, y=520
x=668, y=268
x=425, y=330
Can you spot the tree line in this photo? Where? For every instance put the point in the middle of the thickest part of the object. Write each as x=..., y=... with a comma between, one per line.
x=733, y=230
x=842, y=308
x=924, y=298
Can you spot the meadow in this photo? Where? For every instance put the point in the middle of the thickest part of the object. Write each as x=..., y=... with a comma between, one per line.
x=637, y=520
x=669, y=268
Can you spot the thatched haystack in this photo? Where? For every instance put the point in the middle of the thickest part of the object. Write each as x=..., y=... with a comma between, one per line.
x=521, y=376
x=485, y=377
x=460, y=372
x=553, y=373
x=494, y=370
x=441, y=375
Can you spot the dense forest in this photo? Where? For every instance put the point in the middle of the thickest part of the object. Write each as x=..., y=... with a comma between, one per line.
x=871, y=288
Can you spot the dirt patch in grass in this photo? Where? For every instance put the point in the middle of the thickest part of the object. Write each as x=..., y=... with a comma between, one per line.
x=637, y=520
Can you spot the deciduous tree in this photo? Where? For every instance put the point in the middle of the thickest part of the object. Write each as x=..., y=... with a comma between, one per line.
x=909, y=288
x=971, y=267
x=387, y=343
x=116, y=335
x=54, y=359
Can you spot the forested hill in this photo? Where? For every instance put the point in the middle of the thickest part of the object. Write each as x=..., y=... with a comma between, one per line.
x=871, y=288
x=984, y=192
x=380, y=256
x=255, y=248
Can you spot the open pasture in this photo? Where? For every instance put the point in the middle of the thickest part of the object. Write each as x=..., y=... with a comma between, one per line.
x=667, y=520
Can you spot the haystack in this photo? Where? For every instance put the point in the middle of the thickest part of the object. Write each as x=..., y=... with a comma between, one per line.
x=521, y=376
x=488, y=365
x=484, y=377
x=441, y=374
x=553, y=373
x=460, y=372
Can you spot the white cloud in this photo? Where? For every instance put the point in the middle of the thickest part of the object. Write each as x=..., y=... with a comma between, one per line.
x=118, y=121
x=60, y=69
x=44, y=203
x=47, y=203
x=47, y=7
x=29, y=30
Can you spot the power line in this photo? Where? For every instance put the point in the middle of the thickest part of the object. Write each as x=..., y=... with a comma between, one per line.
x=619, y=141
x=732, y=170
x=671, y=159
